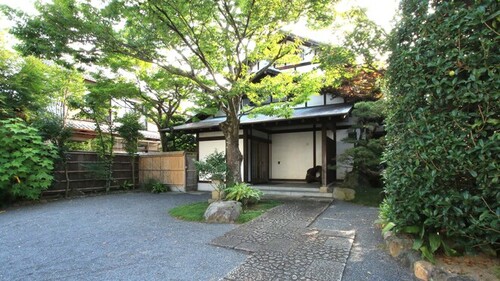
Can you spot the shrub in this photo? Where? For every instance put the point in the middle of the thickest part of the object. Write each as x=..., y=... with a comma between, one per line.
x=213, y=168
x=366, y=156
x=156, y=186
x=26, y=162
x=442, y=179
x=243, y=193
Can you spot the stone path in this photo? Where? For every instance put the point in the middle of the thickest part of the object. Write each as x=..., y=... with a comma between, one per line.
x=283, y=247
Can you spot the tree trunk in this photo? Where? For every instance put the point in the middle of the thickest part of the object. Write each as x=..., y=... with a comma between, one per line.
x=164, y=141
x=66, y=175
x=132, y=157
x=230, y=128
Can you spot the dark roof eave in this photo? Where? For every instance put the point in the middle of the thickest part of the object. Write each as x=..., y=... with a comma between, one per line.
x=213, y=123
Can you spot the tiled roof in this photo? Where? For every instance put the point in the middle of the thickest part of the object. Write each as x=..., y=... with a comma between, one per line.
x=298, y=113
x=90, y=126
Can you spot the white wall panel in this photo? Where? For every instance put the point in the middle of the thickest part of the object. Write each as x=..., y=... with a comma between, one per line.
x=208, y=147
x=315, y=100
x=292, y=155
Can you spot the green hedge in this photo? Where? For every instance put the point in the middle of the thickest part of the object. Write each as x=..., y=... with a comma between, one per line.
x=442, y=176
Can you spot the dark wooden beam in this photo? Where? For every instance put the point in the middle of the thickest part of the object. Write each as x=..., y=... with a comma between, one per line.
x=246, y=157
x=324, y=154
x=314, y=145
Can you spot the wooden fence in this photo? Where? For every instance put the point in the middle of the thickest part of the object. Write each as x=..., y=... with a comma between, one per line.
x=175, y=169
x=83, y=173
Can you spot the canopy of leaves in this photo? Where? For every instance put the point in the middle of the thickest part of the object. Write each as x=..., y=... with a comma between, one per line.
x=442, y=178
x=129, y=130
x=30, y=87
x=215, y=44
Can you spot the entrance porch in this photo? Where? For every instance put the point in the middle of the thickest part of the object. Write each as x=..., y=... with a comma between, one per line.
x=294, y=189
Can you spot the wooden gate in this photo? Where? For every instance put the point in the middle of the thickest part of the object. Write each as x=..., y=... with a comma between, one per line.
x=175, y=169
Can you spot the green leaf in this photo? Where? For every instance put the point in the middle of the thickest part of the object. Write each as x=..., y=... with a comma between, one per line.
x=434, y=241
x=427, y=254
x=417, y=244
x=413, y=229
x=388, y=227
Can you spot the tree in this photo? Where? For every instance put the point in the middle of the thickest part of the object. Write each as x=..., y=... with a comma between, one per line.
x=365, y=158
x=443, y=126
x=129, y=130
x=160, y=97
x=30, y=86
x=52, y=128
x=215, y=44
x=23, y=87
x=96, y=105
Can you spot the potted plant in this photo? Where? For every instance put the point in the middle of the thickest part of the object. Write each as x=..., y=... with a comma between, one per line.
x=214, y=168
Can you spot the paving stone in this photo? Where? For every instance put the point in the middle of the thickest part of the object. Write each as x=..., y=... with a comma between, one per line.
x=250, y=274
x=339, y=233
x=284, y=248
x=325, y=270
x=248, y=247
x=281, y=245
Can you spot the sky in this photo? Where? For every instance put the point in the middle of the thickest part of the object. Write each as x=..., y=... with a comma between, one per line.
x=380, y=11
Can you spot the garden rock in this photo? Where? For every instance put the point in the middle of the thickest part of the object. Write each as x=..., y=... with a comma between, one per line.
x=423, y=270
x=223, y=212
x=344, y=194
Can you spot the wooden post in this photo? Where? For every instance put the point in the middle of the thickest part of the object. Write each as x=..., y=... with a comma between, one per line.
x=324, y=157
x=246, y=157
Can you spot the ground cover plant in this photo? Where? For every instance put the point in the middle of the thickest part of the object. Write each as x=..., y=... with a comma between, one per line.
x=442, y=179
x=195, y=211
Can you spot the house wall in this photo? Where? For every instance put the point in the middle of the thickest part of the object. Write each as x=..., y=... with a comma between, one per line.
x=207, y=147
x=292, y=155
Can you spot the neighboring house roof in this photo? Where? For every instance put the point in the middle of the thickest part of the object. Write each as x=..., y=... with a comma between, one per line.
x=90, y=127
x=299, y=113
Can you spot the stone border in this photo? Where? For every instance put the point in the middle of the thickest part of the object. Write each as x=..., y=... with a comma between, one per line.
x=400, y=248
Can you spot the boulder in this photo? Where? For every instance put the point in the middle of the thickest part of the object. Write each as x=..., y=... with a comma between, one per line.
x=398, y=245
x=422, y=270
x=223, y=212
x=344, y=194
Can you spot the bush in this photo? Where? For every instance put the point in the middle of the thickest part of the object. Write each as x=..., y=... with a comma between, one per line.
x=213, y=168
x=442, y=179
x=26, y=162
x=243, y=193
x=156, y=186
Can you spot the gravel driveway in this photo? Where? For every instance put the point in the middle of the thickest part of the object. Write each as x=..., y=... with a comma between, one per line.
x=126, y=236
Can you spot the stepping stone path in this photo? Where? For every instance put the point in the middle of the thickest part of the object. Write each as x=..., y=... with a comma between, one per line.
x=283, y=247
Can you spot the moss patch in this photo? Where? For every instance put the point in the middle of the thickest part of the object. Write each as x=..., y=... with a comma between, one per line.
x=368, y=196
x=195, y=211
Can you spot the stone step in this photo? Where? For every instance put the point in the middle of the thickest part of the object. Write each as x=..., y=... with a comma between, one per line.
x=284, y=188
x=293, y=193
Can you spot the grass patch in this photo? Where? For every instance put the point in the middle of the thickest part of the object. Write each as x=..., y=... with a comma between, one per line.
x=255, y=210
x=195, y=211
x=190, y=212
x=368, y=196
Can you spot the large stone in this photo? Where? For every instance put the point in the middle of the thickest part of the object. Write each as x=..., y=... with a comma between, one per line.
x=223, y=211
x=423, y=270
x=345, y=194
x=398, y=245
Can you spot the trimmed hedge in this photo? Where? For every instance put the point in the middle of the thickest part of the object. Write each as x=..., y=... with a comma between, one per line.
x=442, y=176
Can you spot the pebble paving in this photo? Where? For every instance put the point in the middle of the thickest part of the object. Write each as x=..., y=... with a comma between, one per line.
x=282, y=246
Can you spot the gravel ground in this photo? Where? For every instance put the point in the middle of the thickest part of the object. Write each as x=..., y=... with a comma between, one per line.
x=126, y=236
x=368, y=259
